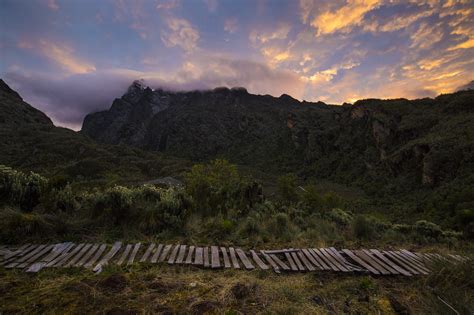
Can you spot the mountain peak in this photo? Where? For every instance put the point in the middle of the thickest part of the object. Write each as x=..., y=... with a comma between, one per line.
x=6, y=89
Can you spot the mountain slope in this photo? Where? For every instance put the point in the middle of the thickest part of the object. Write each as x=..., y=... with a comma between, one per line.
x=427, y=141
x=30, y=141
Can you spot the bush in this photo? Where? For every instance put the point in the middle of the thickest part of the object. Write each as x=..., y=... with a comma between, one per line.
x=362, y=228
x=428, y=229
x=287, y=187
x=16, y=225
x=340, y=216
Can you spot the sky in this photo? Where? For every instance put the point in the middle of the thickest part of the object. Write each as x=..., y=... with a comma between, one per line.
x=72, y=57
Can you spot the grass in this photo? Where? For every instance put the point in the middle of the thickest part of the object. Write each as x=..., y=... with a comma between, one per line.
x=183, y=289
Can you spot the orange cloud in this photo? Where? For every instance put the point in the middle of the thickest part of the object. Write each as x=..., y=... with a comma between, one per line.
x=181, y=33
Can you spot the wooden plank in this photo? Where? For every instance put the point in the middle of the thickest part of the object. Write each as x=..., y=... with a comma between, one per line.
x=311, y=258
x=259, y=262
x=173, y=254
x=360, y=262
x=391, y=263
x=87, y=255
x=147, y=252
x=35, y=257
x=78, y=255
x=270, y=261
x=245, y=260
x=157, y=253
x=233, y=258
x=131, y=259
x=226, y=258
x=334, y=261
x=318, y=259
x=207, y=263
x=335, y=253
x=279, y=262
x=401, y=263
x=165, y=252
x=380, y=262
x=325, y=259
x=420, y=265
x=291, y=262
x=21, y=251
x=410, y=262
x=189, y=258
x=198, y=258
x=105, y=260
x=64, y=253
x=413, y=255
x=305, y=261
x=215, y=260
x=297, y=261
x=371, y=262
x=182, y=252
x=65, y=259
x=20, y=259
x=124, y=255
x=96, y=256
x=55, y=252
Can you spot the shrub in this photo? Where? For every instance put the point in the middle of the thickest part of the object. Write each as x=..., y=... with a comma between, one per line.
x=312, y=198
x=427, y=229
x=16, y=225
x=287, y=187
x=362, y=228
x=340, y=216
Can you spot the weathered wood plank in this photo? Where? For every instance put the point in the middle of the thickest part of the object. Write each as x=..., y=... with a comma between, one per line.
x=311, y=258
x=279, y=262
x=391, y=263
x=87, y=255
x=270, y=261
x=305, y=261
x=371, y=262
x=21, y=251
x=35, y=257
x=226, y=258
x=165, y=252
x=131, y=259
x=401, y=263
x=20, y=259
x=124, y=255
x=96, y=256
x=181, y=253
x=55, y=252
x=259, y=262
x=380, y=262
x=189, y=258
x=333, y=261
x=318, y=259
x=198, y=258
x=215, y=260
x=147, y=253
x=335, y=253
x=297, y=261
x=78, y=255
x=361, y=262
x=325, y=259
x=245, y=260
x=414, y=262
x=233, y=258
x=413, y=255
x=105, y=260
x=207, y=263
x=65, y=259
x=173, y=254
x=64, y=253
x=410, y=262
x=157, y=253
x=291, y=262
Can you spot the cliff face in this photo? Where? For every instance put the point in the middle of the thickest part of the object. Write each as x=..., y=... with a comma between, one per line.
x=425, y=141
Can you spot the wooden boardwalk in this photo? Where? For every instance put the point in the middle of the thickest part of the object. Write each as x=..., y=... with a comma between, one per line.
x=34, y=257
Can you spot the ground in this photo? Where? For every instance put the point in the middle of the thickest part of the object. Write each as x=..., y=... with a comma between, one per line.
x=187, y=289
